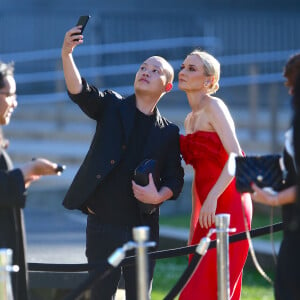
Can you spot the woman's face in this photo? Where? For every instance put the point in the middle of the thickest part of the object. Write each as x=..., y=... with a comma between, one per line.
x=8, y=101
x=191, y=76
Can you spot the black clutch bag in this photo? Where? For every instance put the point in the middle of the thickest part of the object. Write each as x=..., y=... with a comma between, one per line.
x=141, y=177
x=264, y=171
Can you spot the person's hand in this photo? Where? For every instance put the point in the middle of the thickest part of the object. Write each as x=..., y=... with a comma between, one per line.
x=36, y=168
x=208, y=212
x=264, y=196
x=147, y=194
x=71, y=40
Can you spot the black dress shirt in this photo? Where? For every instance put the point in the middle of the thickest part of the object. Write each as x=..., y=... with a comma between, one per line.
x=113, y=201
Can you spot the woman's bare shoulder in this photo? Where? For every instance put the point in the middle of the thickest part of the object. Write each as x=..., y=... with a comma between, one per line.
x=217, y=105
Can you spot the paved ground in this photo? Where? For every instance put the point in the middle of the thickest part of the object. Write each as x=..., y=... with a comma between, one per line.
x=54, y=235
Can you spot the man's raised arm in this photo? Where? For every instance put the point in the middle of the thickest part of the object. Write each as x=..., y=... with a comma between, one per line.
x=71, y=72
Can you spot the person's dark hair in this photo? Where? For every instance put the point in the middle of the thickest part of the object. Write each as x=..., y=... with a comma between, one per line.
x=296, y=121
x=4, y=143
x=296, y=95
x=292, y=69
x=296, y=141
x=5, y=70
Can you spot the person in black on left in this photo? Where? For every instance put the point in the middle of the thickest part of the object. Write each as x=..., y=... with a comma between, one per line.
x=14, y=183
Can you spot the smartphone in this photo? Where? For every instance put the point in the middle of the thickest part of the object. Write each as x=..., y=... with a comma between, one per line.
x=82, y=21
x=60, y=168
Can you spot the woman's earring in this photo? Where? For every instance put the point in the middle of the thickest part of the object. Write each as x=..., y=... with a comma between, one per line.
x=206, y=83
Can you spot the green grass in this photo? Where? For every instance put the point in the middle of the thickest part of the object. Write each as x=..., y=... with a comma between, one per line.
x=182, y=221
x=168, y=271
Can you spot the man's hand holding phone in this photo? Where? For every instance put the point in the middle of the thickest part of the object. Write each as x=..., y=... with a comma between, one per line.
x=82, y=21
x=74, y=36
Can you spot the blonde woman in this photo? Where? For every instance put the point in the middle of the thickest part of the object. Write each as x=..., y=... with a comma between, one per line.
x=210, y=138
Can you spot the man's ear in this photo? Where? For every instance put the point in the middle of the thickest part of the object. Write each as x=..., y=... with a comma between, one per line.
x=168, y=87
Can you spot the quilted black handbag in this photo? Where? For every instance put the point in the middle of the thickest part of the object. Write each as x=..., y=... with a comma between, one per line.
x=141, y=177
x=263, y=170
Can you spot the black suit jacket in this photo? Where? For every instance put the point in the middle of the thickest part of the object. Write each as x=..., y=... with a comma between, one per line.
x=12, y=200
x=114, y=116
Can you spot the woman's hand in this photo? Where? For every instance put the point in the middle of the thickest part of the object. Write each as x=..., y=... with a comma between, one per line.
x=264, y=196
x=208, y=212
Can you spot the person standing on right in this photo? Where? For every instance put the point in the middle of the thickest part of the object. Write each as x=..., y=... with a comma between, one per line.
x=210, y=138
x=287, y=282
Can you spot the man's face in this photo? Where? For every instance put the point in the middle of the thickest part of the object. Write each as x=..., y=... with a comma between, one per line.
x=151, y=77
x=8, y=101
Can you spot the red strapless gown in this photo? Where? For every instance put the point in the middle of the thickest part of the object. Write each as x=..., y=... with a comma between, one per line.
x=205, y=152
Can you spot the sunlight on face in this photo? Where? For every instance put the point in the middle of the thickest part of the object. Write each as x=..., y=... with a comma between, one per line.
x=152, y=75
x=7, y=100
x=191, y=75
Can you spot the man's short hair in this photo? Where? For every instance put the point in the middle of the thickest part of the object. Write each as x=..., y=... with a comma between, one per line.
x=168, y=69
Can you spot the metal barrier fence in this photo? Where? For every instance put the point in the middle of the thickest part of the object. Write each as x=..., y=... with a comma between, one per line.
x=48, y=86
x=250, y=80
x=6, y=268
x=118, y=257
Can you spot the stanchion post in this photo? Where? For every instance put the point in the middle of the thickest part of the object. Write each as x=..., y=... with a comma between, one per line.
x=140, y=236
x=5, y=269
x=222, y=224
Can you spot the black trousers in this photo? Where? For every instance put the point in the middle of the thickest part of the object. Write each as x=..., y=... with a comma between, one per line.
x=287, y=281
x=101, y=241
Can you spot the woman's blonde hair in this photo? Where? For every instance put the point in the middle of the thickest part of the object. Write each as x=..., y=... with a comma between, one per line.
x=211, y=68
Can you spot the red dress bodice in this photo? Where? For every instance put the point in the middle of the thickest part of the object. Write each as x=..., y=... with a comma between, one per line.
x=207, y=155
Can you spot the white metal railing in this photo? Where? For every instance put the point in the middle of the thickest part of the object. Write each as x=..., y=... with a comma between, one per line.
x=210, y=43
x=132, y=68
x=128, y=89
x=134, y=46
